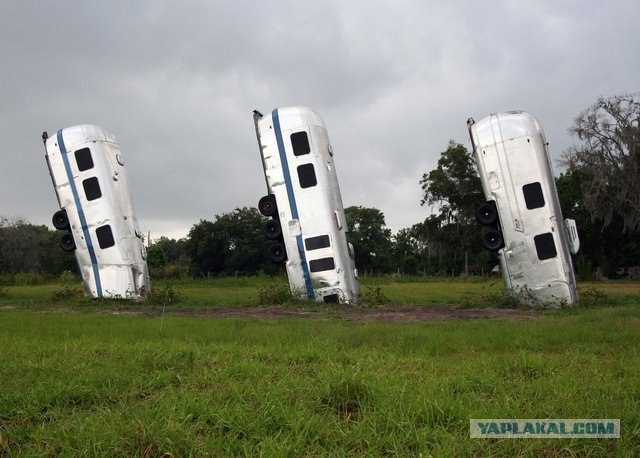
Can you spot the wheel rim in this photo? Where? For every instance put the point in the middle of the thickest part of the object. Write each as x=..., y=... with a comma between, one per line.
x=277, y=253
x=272, y=230
x=60, y=220
x=487, y=214
x=492, y=240
x=67, y=243
x=267, y=206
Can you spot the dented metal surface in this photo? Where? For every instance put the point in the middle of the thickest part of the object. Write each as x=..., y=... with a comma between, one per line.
x=90, y=181
x=300, y=174
x=510, y=151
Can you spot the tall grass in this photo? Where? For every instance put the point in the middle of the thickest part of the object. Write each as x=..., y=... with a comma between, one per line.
x=120, y=385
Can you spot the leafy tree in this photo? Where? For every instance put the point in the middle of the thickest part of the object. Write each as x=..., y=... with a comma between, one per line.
x=233, y=243
x=206, y=247
x=27, y=248
x=606, y=248
x=371, y=239
x=168, y=258
x=454, y=185
x=245, y=242
x=406, y=249
x=609, y=156
x=156, y=257
x=451, y=236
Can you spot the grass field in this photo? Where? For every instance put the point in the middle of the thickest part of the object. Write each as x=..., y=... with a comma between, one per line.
x=115, y=384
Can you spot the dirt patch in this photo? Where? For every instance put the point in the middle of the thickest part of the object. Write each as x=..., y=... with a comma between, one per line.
x=385, y=313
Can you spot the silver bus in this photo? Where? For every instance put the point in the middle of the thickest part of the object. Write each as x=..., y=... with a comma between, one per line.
x=522, y=211
x=308, y=227
x=96, y=212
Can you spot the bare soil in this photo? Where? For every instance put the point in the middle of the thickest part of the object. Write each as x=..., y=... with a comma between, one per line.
x=385, y=313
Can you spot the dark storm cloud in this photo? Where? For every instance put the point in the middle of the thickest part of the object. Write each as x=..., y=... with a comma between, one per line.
x=176, y=83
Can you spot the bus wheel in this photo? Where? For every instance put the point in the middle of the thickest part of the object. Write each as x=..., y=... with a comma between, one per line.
x=267, y=206
x=487, y=214
x=272, y=229
x=67, y=243
x=60, y=220
x=492, y=240
x=277, y=253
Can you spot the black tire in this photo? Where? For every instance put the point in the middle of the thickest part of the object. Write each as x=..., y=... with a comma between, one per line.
x=277, y=253
x=492, y=240
x=487, y=214
x=272, y=229
x=60, y=220
x=267, y=206
x=67, y=243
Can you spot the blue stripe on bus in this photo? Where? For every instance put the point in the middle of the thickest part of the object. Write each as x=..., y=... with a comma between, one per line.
x=292, y=201
x=83, y=220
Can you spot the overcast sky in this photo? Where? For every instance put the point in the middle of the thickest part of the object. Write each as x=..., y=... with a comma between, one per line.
x=176, y=83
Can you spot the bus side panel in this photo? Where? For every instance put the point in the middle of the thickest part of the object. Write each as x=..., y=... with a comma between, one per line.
x=515, y=171
x=91, y=186
x=309, y=205
x=277, y=186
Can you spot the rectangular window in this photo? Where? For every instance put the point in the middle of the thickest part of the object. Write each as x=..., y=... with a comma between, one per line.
x=322, y=264
x=315, y=243
x=105, y=237
x=307, y=176
x=533, y=195
x=545, y=246
x=300, y=143
x=92, y=188
x=84, y=159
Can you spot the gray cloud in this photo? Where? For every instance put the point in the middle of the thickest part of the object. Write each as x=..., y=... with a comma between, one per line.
x=176, y=83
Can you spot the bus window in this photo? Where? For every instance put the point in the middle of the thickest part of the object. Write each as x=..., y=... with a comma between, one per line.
x=307, y=176
x=92, y=188
x=84, y=159
x=315, y=243
x=533, y=195
x=300, y=143
x=105, y=236
x=545, y=246
x=319, y=265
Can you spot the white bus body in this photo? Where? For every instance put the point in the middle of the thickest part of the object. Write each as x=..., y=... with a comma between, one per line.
x=90, y=181
x=533, y=241
x=309, y=227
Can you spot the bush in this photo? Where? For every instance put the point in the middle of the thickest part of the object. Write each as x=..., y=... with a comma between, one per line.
x=67, y=292
x=275, y=294
x=595, y=298
x=165, y=296
x=373, y=296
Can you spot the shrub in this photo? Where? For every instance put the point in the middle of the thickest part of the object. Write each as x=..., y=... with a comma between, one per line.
x=595, y=297
x=275, y=294
x=67, y=292
x=374, y=296
x=165, y=296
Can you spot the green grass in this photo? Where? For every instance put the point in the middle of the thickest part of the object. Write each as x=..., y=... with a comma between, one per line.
x=246, y=291
x=101, y=384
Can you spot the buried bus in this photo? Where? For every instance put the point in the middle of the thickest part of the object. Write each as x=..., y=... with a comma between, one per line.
x=308, y=227
x=96, y=211
x=522, y=210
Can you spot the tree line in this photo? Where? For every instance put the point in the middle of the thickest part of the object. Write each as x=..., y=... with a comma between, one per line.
x=599, y=188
